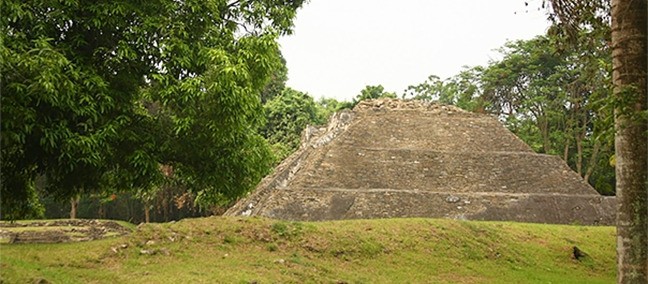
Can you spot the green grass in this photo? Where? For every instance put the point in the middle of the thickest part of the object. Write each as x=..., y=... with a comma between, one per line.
x=232, y=250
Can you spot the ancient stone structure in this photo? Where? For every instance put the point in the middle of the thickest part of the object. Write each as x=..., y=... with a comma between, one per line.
x=391, y=158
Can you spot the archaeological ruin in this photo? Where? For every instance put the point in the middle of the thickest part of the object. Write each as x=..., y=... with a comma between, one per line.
x=392, y=159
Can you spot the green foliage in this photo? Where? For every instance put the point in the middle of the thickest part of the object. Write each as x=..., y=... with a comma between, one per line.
x=100, y=94
x=287, y=115
x=373, y=92
x=24, y=207
x=432, y=89
x=215, y=147
x=555, y=99
x=331, y=106
x=277, y=82
x=461, y=90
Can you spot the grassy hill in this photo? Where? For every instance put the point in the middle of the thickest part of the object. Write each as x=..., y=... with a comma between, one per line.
x=234, y=250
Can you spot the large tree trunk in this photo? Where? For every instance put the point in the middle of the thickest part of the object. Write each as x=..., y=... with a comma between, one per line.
x=630, y=65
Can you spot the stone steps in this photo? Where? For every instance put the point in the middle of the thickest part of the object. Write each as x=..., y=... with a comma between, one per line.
x=426, y=170
x=415, y=130
x=415, y=191
x=318, y=204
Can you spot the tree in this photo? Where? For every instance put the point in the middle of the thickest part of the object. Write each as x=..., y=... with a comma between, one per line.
x=100, y=94
x=555, y=90
x=549, y=95
x=330, y=106
x=629, y=43
x=464, y=90
x=277, y=82
x=432, y=89
x=629, y=75
x=287, y=115
x=373, y=92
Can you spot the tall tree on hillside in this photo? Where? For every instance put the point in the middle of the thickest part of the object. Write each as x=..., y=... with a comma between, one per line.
x=629, y=74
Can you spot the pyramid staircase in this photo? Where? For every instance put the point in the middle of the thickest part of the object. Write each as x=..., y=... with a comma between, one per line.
x=391, y=158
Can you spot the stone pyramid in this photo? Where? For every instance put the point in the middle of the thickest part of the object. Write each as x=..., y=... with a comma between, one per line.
x=391, y=158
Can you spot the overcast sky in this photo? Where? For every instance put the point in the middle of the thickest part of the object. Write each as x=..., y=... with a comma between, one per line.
x=340, y=46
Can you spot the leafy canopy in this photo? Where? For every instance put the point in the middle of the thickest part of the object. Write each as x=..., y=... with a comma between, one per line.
x=100, y=94
x=287, y=116
x=554, y=98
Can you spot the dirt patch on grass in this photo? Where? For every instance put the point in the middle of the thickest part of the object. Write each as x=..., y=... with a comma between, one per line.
x=59, y=231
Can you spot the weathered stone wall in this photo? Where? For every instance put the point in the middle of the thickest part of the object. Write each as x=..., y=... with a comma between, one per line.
x=333, y=204
x=404, y=169
x=312, y=138
x=391, y=158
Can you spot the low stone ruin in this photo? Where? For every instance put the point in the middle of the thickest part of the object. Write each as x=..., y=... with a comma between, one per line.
x=59, y=231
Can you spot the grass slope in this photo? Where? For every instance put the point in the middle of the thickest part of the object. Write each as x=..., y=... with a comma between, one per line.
x=252, y=250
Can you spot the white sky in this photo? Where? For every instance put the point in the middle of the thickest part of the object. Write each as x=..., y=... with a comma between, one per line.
x=340, y=46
